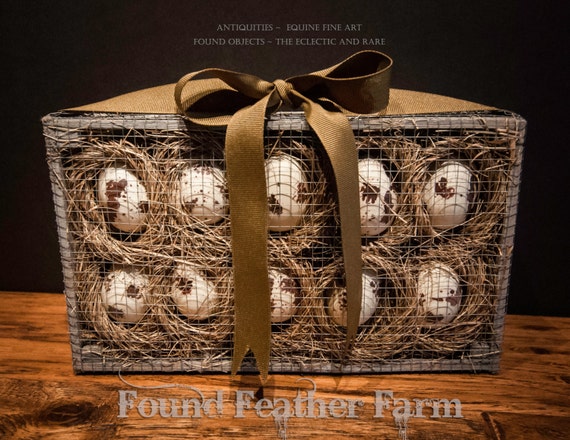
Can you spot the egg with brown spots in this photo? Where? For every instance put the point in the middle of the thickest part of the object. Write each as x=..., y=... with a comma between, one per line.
x=447, y=195
x=124, y=198
x=203, y=193
x=195, y=296
x=337, y=304
x=377, y=199
x=284, y=295
x=286, y=189
x=124, y=295
x=439, y=293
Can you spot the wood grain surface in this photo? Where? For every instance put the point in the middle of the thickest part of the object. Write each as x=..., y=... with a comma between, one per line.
x=41, y=397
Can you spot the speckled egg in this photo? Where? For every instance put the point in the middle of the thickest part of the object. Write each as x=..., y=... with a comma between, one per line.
x=284, y=293
x=286, y=187
x=203, y=193
x=439, y=293
x=377, y=199
x=447, y=195
x=194, y=295
x=337, y=305
x=124, y=294
x=124, y=197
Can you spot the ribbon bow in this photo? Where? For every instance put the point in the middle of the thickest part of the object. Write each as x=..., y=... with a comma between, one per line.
x=359, y=84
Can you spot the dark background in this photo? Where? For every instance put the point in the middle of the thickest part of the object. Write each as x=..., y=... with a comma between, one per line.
x=508, y=54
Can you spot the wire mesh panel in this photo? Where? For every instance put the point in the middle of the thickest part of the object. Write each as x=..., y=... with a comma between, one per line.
x=144, y=225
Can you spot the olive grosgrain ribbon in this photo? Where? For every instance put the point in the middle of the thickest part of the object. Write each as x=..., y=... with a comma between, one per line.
x=359, y=84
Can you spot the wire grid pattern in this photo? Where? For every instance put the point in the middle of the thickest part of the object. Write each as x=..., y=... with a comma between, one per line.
x=154, y=293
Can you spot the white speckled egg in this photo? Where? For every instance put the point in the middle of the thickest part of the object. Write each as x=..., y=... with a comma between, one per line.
x=124, y=294
x=284, y=293
x=203, y=193
x=439, y=293
x=125, y=198
x=447, y=195
x=377, y=200
x=195, y=296
x=286, y=185
x=337, y=305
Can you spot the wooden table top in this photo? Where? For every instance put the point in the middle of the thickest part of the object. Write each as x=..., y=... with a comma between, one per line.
x=41, y=397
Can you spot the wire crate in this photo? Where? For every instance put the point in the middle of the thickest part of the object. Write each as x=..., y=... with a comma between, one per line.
x=144, y=232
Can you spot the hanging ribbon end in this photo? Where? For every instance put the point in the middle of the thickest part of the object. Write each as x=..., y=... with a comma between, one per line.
x=263, y=375
x=240, y=350
x=261, y=359
x=262, y=366
x=348, y=343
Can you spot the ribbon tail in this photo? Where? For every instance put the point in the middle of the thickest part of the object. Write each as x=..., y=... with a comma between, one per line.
x=335, y=133
x=245, y=170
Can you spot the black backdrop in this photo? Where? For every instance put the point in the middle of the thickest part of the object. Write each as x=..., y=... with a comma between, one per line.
x=508, y=54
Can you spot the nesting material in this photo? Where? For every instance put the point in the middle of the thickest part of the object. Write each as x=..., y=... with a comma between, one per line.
x=473, y=306
x=143, y=214
x=296, y=278
x=299, y=196
x=384, y=334
x=395, y=156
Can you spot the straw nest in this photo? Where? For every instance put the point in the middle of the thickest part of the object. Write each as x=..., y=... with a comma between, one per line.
x=292, y=340
x=163, y=332
x=384, y=335
x=398, y=157
x=476, y=269
x=399, y=328
x=316, y=196
x=489, y=163
x=410, y=164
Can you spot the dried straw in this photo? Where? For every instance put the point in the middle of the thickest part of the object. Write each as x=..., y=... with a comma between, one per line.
x=490, y=163
x=474, y=322
x=310, y=253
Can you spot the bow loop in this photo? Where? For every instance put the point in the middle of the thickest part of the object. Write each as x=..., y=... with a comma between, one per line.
x=359, y=84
